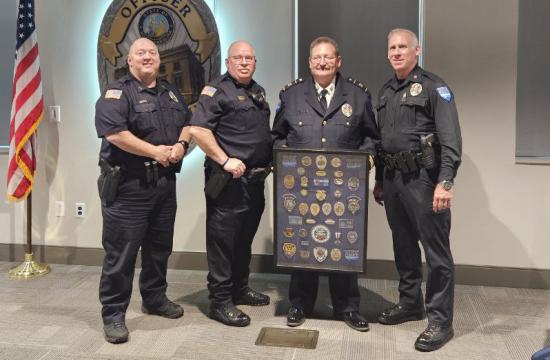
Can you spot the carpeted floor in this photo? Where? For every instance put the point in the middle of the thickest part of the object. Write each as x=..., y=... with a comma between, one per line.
x=58, y=317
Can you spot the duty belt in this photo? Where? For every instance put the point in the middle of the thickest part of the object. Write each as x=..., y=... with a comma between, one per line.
x=404, y=161
x=151, y=172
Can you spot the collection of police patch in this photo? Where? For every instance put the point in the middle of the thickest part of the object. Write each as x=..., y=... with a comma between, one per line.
x=321, y=210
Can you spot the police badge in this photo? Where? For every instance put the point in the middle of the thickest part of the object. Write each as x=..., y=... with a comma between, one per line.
x=304, y=254
x=335, y=254
x=314, y=209
x=352, y=237
x=321, y=195
x=288, y=181
x=321, y=162
x=289, y=249
x=338, y=193
x=320, y=233
x=302, y=233
x=289, y=202
x=303, y=181
x=306, y=161
x=339, y=208
x=289, y=232
x=347, y=110
x=353, y=204
x=416, y=89
x=303, y=209
x=326, y=208
x=353, y=183
x=320, y=253
x=300, y=171
x=336, y=162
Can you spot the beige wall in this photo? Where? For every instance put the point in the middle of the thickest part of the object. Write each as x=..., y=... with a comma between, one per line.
x=501, y=210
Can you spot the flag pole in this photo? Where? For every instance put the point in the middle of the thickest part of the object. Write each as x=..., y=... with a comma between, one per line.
x=29, y=268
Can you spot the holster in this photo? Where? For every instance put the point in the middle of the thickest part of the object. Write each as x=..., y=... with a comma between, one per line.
x=217, y=180
x=111, y=179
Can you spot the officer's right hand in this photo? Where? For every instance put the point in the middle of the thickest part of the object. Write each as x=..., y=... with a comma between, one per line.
x=235, y=167
x=162, y=154
x=378, y=193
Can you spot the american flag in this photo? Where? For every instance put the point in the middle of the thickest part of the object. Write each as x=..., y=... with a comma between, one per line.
x=27, y=109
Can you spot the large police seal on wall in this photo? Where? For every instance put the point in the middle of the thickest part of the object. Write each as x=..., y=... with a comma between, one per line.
x=184, y=30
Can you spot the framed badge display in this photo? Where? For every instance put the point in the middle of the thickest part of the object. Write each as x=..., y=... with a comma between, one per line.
x=320, y=206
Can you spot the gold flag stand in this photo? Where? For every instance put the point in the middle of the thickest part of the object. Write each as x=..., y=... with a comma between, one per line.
x=29, y=268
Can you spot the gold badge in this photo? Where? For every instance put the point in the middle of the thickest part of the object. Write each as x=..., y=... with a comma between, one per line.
x=306, y=161
x=416, y=89
x=353, y=204
x=336, y=162
x=321, y=173
x=338, y=173
x=303, y=181
x=353, y=183
x=304, y=254
x=301, y=171
x=289, y=202
x=338, y=181
x=321, y=195
x=303, y=208
x=335, y=254
x=173, y=96
x=330, y=222
x=289, y=249
x=288, y=181
x=347, y=110
x=339, y=208
x=314, y=209
x=321, y=162
x=352, y=237
x=303, y=192
x=311, y=221
x=338, y=193
x=326, y=208
x=241, y=97
x=302, y=233
x=289, y=232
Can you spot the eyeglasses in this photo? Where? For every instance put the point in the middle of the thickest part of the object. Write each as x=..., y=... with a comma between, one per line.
x=237, y=59
x=328, y=58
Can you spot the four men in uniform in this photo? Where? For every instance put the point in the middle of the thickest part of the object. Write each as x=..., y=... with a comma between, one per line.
x=417, y=145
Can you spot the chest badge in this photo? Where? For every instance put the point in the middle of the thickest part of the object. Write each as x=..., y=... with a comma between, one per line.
x=347, y=110
x=416, y=89
x=241, y=97
x=173, y=96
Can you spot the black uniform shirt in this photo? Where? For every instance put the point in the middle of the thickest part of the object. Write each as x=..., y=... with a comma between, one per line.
x=348, y=122
x=156, y=116
x=418, y=105
x=238, y=116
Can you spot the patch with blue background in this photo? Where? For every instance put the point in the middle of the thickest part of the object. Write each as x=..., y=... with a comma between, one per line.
x=445, y=93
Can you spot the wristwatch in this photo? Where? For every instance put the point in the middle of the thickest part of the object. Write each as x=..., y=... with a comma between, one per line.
x=185, y=145
x=447, y=184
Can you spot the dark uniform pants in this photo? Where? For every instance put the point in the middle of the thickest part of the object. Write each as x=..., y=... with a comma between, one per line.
x=408, y=201
x=231, y=223
x=141, y=215
x=344, y=291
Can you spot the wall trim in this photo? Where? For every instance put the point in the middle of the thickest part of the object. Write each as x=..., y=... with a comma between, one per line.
x=376, y=269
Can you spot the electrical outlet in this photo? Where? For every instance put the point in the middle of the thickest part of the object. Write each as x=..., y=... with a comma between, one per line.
x=55, y=113
x=80, y=210
x=60, y=208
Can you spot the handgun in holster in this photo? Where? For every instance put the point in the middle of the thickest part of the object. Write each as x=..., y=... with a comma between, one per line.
x=111, y=179
x=217, y=180
x=259, y=174
x=428, y=154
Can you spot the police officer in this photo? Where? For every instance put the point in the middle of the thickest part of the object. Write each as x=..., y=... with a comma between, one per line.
x=421, y=149
x=231, y=125
x=139, y=119
x=325, y=111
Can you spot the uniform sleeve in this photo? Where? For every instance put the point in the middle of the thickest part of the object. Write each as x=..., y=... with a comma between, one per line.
x=448, y=131
x=280, y=128
x=111, y=113
x=369, y=129
x=187, y=111
x=209, y=108
x=378, y=161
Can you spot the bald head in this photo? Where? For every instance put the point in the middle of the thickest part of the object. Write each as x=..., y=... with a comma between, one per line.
x=144, y=61
x=241, y=61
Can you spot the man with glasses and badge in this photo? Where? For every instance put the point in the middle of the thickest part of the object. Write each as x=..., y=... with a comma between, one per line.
x=325, y=111
x=231, y=125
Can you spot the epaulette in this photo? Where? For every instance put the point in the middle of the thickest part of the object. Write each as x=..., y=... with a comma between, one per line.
x=358, y=84
x=297, y=81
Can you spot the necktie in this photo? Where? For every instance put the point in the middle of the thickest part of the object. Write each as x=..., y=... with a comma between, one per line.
x=323, y=99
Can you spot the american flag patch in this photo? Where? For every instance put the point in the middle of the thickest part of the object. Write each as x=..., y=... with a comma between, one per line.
x=209, y=90
x=113, y=94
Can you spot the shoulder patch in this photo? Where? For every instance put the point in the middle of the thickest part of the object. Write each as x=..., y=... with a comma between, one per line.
x=445, y=93
x=209, y=90
x=113, y=94
x=289, y=85
x=358, y=84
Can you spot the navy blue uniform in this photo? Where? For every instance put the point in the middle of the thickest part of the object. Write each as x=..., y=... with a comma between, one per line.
x=300, y=122
x=238, y=117
x=144, y=210
x=419, y=105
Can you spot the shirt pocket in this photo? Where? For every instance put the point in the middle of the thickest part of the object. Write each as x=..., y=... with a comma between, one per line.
x=300, y=129
x=348, y=132
x=412, y=106
x=146, y=119
x=381, y=110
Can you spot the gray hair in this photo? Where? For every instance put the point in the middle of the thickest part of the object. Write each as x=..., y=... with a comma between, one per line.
x=324, y=40
x=406, y=31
